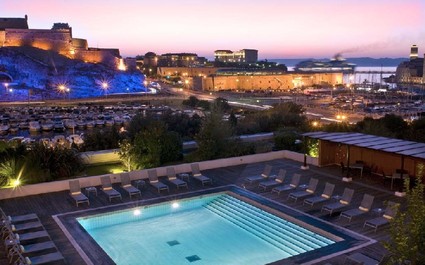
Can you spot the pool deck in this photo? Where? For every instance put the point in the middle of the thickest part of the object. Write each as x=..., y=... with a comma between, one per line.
x=47, y=205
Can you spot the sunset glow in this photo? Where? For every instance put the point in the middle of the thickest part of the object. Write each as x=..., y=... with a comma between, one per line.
x=277, y=28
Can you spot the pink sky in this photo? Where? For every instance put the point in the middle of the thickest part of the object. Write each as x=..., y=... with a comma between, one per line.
x=277, y=28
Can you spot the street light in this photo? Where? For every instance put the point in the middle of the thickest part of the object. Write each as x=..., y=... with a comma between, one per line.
x=105, y=87
x=63, y=89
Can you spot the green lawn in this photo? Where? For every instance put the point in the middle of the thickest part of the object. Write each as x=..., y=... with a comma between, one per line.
x=104, y=169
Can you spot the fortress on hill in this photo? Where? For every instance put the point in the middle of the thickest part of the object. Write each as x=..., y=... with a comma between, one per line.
x=15, y=32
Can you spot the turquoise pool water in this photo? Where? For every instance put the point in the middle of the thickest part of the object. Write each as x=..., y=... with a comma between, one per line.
x=212, y=229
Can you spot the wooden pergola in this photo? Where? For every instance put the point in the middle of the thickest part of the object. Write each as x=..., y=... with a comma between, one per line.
x=381, y=155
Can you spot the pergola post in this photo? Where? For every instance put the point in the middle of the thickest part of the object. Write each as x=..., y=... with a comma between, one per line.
x=347, y=178
x=401, y=192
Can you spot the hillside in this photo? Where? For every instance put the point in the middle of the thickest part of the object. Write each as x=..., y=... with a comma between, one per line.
x=41, y=72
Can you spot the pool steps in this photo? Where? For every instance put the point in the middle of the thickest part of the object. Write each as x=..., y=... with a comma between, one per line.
x=288, y=237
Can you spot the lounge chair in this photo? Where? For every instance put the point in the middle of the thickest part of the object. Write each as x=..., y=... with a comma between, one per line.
x=30, y=249
x=311, y=189
x=153, y=180
x=389, y=214
x=325, y=196
x=25, y=238
x=171, y=176
x=42, y=259
x=17, y=218
x=275, y=181
x=364, y=207
x=345, y=200
x=295, y=181
x=196, y=174
x=108, y=189
x=126, y=185
x=264, y=176
x=21, y=227
x=76, y=194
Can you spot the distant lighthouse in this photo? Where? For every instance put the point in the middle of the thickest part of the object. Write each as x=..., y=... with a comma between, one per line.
x=413, y=52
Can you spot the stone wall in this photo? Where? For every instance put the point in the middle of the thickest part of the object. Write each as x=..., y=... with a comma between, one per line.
x=2, y=37
x=106, y=56
x=59, y=41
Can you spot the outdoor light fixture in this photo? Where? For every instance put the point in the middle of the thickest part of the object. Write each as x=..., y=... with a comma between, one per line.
x=15, y=182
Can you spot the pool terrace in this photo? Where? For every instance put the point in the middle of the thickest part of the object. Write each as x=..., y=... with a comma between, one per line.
x=47, y=205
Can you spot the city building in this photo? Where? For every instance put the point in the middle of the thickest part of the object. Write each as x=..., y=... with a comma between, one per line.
x=265, y=80
x=242, y=56
x=412, y=72
x=14, y=32
x=181, y=60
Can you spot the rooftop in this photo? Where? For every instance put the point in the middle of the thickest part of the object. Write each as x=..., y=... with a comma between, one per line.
x=47, y=205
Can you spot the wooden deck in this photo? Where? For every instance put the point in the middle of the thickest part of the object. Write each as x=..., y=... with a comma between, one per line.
x=47, y=205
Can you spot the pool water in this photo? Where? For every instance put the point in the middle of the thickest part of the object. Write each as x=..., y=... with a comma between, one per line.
x=213, y=229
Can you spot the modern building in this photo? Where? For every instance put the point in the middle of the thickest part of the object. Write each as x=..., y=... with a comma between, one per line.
x=242, y=56
x=412, y=72
x=181, y=60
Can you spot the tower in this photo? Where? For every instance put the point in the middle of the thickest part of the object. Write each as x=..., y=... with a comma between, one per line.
x=413, y=52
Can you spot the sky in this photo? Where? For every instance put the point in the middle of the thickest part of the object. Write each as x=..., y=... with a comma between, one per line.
x=276, y=28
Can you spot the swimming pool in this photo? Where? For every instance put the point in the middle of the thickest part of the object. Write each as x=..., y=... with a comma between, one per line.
x=214, y=229
x=225, y=225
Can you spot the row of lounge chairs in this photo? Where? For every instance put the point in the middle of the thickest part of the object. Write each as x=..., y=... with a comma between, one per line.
x=26, y=241
x=79, y=197
x=278, y=185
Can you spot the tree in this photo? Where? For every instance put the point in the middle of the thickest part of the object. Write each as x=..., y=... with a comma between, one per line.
x=46, y=164
x=286, y=140
x=12, y=157
x=126, y=154
x=407, y=229
x=154, y=146
x=221, y=104
x=192, y=101
x=214, y=137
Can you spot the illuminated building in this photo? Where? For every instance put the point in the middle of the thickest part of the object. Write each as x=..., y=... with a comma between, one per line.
x=412, y=72
x=242, y=56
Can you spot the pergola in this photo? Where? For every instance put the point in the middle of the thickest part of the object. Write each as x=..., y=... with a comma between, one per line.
x=381, y=154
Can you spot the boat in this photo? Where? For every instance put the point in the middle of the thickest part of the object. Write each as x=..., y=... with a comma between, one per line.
x=75, y=139
x=60, y=141
x=4, y=128
x=118, y=121
x=70, y=124
x=23, y=125
x=47, y=125
x=109, y=121
x=13, y=129
x=58, y=126
x=100, y=121
x=81, y=124
x=46, y=142
x=34, y=126
x=90, y=123
x=335, y=65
